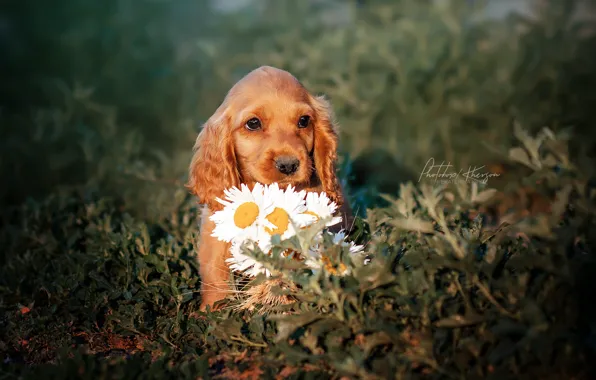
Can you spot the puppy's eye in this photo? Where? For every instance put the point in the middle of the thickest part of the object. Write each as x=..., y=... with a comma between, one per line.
x=303, y=121
x=253, y=124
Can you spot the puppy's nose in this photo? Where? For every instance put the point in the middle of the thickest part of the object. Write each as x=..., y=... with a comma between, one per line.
x=287, y=164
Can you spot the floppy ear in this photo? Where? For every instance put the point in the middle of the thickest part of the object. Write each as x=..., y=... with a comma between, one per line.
x=213, y=167
x=325, y=148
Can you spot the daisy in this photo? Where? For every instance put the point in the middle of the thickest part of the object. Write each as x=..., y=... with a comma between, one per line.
x=239, y=262
x=321, y=207
x=243, y=215
x=287, y=212
x=340, y=238
x=318, y=259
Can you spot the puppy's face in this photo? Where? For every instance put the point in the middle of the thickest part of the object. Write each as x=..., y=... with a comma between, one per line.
x=272, y=128
x=273, y=133
x=268, y=129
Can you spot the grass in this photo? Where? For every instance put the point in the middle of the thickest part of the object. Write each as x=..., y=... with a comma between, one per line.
x=89, y=290
x=98, y=274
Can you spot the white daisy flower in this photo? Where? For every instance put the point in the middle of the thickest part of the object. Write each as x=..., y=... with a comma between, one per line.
x=250, y=218
x=340, y=238
x=239, y=262
x=243, y=215
x=317, y=259
x=320, y=207
x=288, y=209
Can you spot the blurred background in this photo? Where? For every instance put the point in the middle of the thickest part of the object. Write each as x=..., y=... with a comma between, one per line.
x=105, y=98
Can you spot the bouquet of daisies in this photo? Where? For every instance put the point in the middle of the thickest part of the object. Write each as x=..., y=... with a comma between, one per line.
x=251, y=218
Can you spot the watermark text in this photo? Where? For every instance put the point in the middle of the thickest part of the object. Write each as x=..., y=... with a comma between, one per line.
x=446, y=173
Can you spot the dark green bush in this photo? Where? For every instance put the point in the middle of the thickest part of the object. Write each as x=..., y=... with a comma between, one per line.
x=99, y=109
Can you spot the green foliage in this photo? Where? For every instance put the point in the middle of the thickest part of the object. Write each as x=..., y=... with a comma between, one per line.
x=448, y=294
x=100, y=109
x=444, y=294
x=423, y=79
x=98, y=94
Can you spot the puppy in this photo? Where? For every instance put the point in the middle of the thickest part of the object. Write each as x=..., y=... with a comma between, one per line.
x=268, y=129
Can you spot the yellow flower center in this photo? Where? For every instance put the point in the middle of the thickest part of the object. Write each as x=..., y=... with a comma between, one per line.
x=246, y=214
x=331, y=268
x=280, y=218
x=295, y=255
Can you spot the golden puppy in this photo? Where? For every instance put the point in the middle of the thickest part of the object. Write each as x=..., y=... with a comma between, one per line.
x=268, y=129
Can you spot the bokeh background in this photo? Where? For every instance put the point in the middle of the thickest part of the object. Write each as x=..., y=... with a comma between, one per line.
x=106, y=97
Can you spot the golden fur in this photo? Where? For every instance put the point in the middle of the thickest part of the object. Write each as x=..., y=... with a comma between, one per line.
x=227, y=154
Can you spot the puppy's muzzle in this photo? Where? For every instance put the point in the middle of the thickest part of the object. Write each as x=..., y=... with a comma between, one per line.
x=287, y=164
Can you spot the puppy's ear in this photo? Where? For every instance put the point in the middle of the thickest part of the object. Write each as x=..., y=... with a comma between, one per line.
x=325, y=148
x=213, y=167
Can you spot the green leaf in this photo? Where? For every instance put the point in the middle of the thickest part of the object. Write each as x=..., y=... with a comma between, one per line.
x=413, y=224
x=519, y=154
x=288, y=324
